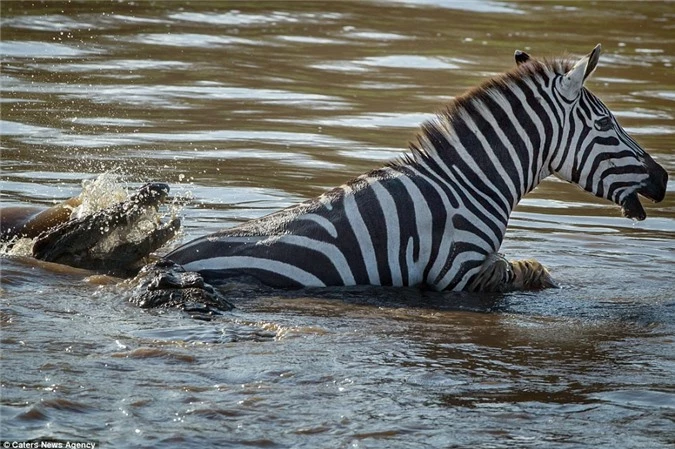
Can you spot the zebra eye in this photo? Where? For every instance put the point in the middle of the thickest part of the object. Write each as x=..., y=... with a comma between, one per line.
x=603, y=124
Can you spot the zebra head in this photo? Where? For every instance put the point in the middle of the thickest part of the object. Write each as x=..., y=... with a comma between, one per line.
x=595, y=151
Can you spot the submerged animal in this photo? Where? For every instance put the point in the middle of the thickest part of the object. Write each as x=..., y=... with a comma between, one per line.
x=112, y=240
x=437, y=216
x=99, y=241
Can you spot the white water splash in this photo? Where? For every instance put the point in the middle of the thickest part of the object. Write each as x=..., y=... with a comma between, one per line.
x=17, y=247
x=104, y=191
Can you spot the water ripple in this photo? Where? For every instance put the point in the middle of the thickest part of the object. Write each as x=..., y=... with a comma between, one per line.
x=191, y=40
x=32, y=49
x=237, y=18
x=393, y=61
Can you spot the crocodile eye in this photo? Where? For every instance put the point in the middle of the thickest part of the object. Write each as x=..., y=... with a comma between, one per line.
x=603, y=124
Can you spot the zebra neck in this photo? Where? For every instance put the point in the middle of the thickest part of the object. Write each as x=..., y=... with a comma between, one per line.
x=478, y=145
x=500, y=136
x=484, y=171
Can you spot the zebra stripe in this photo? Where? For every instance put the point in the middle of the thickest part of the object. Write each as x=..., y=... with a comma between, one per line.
x=321, y=221
x=287, y=270
x=388, y=204
x=363, y=237
x=438, y=215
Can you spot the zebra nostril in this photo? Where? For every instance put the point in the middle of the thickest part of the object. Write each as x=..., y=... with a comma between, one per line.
x=655, y=187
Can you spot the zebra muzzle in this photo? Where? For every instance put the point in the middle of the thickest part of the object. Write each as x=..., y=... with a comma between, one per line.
x=654, y=189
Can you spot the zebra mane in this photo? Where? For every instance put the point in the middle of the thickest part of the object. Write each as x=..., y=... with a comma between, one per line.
x=445, y=120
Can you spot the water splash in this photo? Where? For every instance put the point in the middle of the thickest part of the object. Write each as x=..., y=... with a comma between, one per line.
x=104, y=191
x=17, y=247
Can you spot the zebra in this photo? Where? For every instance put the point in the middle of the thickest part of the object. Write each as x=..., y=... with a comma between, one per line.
x=436, y=217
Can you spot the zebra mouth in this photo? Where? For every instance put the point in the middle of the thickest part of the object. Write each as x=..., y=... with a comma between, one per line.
x=654, y=189
x=632, y=208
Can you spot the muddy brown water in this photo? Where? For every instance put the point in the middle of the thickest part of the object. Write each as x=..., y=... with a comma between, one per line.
x=253, y=106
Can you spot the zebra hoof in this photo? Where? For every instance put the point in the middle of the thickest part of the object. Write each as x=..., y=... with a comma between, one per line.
x=501, y=275
x=531, y=275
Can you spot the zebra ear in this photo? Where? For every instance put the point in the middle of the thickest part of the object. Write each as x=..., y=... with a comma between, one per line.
x=521, y=57
x=574, y=79
x=593, y=58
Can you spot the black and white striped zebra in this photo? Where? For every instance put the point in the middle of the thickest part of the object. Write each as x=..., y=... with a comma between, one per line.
x=437, y=216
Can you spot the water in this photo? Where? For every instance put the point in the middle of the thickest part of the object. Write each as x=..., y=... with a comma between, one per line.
x=250, y=107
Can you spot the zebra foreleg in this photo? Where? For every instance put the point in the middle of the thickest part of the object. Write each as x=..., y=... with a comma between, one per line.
x=498, y=274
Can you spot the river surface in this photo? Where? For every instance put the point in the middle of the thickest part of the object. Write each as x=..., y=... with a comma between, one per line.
x=249, y=107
